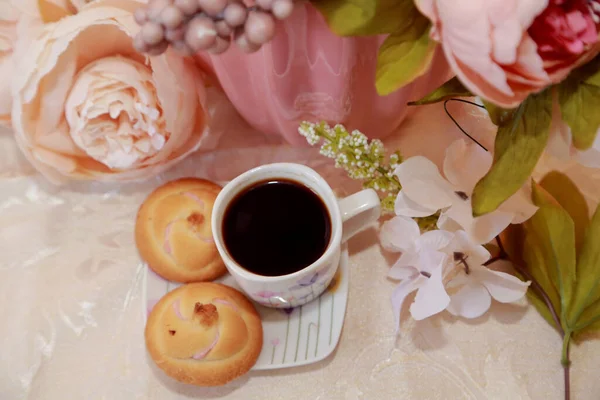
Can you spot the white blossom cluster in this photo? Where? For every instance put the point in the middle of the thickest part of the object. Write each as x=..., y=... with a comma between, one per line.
x=360, y=158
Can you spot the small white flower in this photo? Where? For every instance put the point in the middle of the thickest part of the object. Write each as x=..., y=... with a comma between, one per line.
x=425, y=191
x=420, y=267
x=473, y=285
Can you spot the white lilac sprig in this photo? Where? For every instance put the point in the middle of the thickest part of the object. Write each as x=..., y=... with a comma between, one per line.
x=362, y=159
x=447, y=267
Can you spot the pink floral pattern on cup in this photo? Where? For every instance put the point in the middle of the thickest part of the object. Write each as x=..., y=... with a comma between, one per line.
x=307, y=281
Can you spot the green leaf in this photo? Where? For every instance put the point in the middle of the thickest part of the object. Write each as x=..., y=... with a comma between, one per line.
x=499, y=116
x=588, y=72
x=537, y=265
x=589, y=331
x=579, y=103
x=450, y=89
x=367, y=17
x=524, y=250
x=585, y=308
x=555, y=230
x=590, y=318
x=579, y=97
x=541, y=307
x=571, y=199
x=519, y=144
x=404, y=56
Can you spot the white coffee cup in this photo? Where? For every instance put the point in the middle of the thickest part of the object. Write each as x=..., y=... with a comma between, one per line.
x=348, y=217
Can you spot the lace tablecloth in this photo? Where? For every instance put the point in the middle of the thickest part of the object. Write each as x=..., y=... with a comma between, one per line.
x=70, y=283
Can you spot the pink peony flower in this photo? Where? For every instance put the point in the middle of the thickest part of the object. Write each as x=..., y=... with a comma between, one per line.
x=92, y=109
x=564, y=29
x=504, y=50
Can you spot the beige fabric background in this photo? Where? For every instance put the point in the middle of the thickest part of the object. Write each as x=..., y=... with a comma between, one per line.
x=70, y=286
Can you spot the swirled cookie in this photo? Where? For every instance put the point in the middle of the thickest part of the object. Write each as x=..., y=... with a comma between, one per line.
x=173, y=231
x=205, y=334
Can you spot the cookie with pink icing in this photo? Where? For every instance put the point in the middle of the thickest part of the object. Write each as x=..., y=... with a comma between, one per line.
x=205, y=334
x=173, y=231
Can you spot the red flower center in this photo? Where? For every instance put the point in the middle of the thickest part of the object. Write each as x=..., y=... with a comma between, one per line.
x=565, y=28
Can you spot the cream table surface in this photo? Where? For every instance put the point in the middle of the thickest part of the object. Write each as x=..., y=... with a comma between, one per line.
x=70, y=284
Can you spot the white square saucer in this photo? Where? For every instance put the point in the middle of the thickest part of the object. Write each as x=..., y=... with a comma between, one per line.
x=300, y=336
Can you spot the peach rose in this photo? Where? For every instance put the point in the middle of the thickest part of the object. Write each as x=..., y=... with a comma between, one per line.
x=11, y=13
x=8, y=35
x=21, y=20
x=504, y=50
x=87, y=106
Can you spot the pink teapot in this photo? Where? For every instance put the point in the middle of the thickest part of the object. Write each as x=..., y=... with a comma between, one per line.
x=309, y=73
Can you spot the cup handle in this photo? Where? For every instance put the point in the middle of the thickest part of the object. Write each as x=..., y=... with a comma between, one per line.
x=359, y=211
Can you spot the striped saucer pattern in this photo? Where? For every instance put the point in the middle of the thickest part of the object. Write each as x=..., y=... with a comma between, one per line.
x=292, y=337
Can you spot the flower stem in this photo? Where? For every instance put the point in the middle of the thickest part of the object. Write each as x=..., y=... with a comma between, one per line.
x=566, y=362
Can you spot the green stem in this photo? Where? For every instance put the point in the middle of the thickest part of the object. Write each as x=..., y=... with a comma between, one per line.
x=566, y=362
x=392, y=180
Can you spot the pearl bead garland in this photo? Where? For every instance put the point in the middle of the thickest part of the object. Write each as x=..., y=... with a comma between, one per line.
x=190, y=26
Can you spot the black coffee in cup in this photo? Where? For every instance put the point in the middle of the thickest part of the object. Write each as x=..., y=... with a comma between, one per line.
x=276, y=227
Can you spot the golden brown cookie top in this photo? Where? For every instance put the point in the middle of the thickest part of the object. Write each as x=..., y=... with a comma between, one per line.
x=173, y=231
x=204, y=333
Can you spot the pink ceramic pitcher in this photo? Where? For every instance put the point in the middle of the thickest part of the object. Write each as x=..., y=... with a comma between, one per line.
x=309, y=73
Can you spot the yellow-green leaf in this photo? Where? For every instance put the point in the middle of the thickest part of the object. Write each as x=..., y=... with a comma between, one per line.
x=536, y=264
x=588, y=72
x=555, y=230
x=524, y=250
x=589, y=331
x=367, y=17
x=593, y=78
x=571, y=199
x=541, y=307
x=499, y=116
x=518, y=146
x=589, y=319
x=579, y=103
x=585, y=308
x=450, y=89
x=404, y=56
